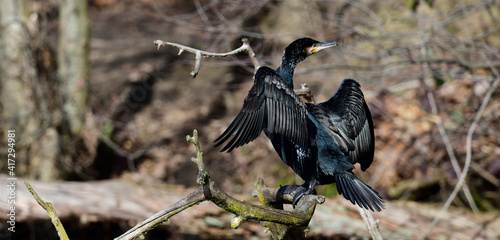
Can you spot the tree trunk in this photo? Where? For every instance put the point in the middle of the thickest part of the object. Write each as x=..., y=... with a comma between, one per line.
x=19, y=81
x=73, y=62
x=18, y=72
x=34, y=104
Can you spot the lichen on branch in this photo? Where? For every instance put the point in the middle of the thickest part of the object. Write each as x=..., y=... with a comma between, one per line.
x=244, y=211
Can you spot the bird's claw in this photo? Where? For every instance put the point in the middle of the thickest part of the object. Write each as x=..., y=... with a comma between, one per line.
x=296, y=198
x=299, y=191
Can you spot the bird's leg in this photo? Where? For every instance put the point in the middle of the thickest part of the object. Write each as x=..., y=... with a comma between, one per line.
x=306, y=188
x=299, y=190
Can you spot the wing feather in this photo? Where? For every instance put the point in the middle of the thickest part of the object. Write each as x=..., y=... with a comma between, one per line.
x=271, y=105
x=347, y=115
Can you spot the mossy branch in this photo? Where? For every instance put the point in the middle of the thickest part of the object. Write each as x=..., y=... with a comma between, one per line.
x=244, y=211
x=51, y=212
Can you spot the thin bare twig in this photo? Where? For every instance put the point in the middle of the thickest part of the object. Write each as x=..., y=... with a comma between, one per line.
x=221, y=26
x=449, y=148
x=429, y=83
x=370, y=223
x=245, y=47
x=485, y=174
x=131, y=156
x=468, y=156
x=162, y=216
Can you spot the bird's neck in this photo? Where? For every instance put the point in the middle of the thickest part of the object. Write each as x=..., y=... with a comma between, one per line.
x=285, y=70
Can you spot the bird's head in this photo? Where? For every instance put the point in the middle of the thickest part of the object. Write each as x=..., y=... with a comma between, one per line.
x=301, y=48
x=296, y=52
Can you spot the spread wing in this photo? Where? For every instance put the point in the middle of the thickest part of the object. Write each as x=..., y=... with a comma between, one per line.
x=270, y=104
x=348, y=117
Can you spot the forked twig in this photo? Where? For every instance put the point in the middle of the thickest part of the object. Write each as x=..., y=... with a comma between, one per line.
x=245, y=47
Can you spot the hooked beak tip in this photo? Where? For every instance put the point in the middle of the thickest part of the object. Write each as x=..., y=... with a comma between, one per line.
x=324, y=45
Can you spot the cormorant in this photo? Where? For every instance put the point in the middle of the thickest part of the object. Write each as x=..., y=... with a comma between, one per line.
x=320, y=142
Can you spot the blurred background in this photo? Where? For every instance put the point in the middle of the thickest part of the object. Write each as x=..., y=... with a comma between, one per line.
x=101, y=115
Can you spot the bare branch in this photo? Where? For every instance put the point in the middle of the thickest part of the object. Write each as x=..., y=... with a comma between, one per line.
x=370, y=223
x=162, y=216
x=202, y=170
x=131, y=156
x=429, y=84
x=468, y=156
x=245, y=47
x=449, y=148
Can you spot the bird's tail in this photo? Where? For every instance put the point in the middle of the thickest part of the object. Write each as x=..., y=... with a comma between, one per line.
x=358, y=192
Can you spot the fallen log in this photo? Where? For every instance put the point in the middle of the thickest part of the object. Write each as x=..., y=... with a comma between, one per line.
x=130, y=202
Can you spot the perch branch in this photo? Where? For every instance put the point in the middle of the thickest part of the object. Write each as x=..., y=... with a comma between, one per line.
x=244, y=211
x=51, y=212
x=274, y=197
x=305, y=92
x=245, y=47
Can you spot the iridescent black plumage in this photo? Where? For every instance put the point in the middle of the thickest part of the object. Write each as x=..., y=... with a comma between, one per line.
x=320, y=142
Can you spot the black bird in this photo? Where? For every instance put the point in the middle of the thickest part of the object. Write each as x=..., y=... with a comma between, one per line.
x=320, y=142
